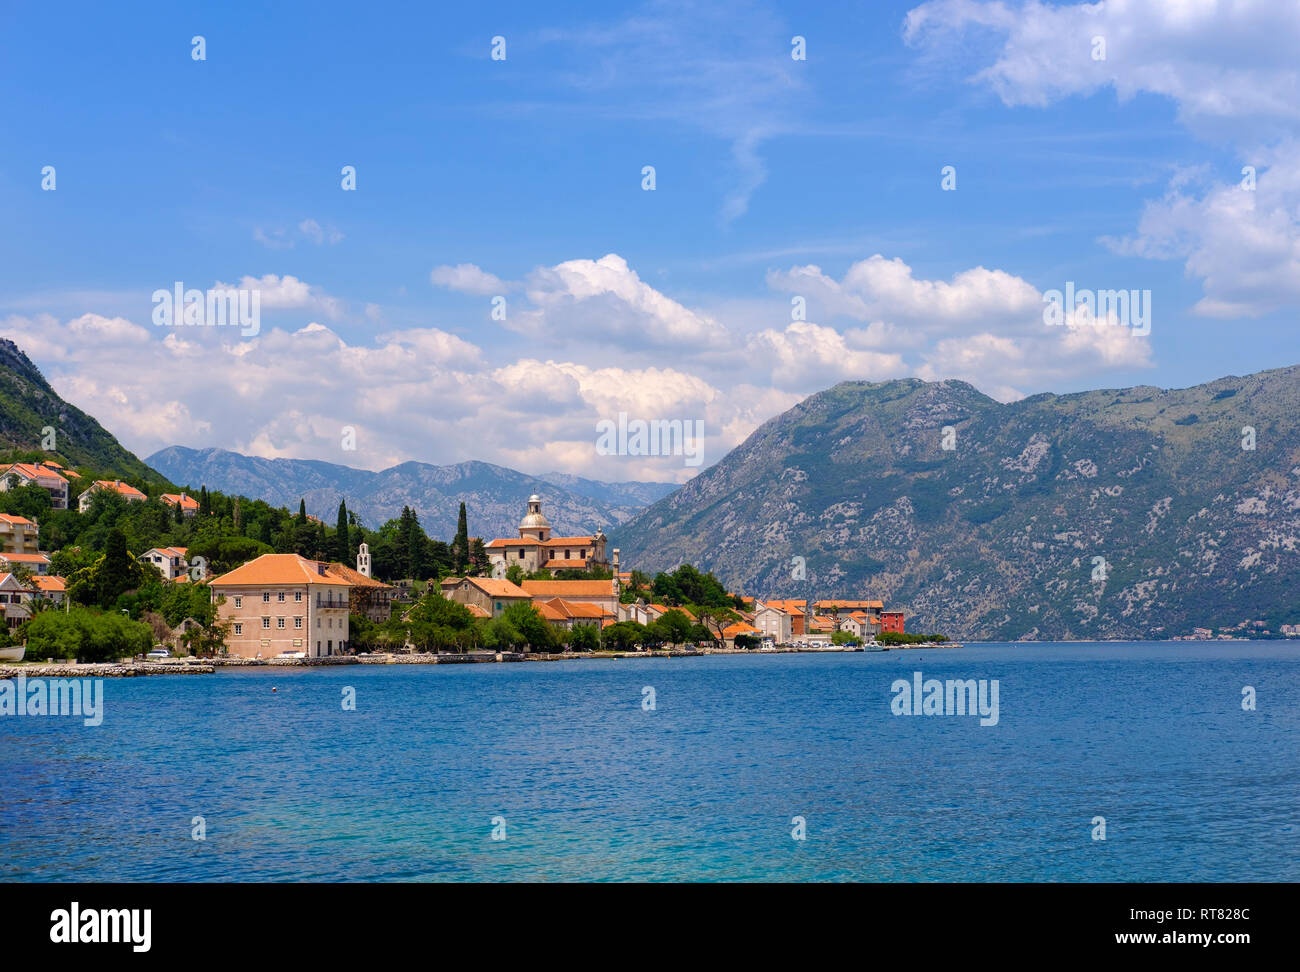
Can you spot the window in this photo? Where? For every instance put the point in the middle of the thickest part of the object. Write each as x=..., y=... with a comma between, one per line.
x=239, y=628
x=297, y=622
x=280, y=597
x=266, y=622
x=521, y=553
x=297, y=596
x=279, y=622
x=566, y=554
x=239, y=601
x=266, y=597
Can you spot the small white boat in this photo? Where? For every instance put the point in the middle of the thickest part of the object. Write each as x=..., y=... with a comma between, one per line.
x=13, y=653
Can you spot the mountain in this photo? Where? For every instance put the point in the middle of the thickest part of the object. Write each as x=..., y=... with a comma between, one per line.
x=1126, y=513
x=495, y=497
x=28, y=406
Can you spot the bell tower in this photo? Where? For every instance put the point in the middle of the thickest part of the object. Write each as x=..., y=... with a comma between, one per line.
x=363, y=560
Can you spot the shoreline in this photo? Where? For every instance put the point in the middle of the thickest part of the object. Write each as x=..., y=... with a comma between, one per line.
x=207, y=666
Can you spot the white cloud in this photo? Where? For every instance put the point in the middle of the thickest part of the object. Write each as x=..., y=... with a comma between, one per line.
x=605, y=300
x=290, y=293
x=1230, y=68
x=468, y=279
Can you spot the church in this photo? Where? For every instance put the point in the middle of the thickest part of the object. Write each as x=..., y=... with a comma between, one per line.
x=535, y=548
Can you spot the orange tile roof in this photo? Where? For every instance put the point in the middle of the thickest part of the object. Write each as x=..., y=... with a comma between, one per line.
x=477, y=611
x=274, y=570
x=25, y=558
x=49, y=584
x=574, y=609
x=849, y=604
x=734, y=629
x=30, y=471
x=549, y=613
x=664, y=609
x=569, y=588
x=15, y=520
x=116, y=486
x=494, y=587
x=354, y=577
x=186, y=501
x=521, y=542
x=791, y=608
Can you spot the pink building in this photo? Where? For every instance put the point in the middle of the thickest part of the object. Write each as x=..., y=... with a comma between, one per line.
x=283, y=603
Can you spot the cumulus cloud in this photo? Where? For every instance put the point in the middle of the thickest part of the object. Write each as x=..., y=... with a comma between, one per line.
x=605, y=300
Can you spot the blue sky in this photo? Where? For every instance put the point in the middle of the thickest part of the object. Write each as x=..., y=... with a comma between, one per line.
x=774, y=178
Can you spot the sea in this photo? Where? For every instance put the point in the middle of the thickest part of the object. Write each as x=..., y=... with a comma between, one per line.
x=1106, y=762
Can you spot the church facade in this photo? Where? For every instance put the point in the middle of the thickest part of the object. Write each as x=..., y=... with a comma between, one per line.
x=536, y=549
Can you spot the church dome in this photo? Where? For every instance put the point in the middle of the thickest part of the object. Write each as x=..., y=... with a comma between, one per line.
x=534, y=519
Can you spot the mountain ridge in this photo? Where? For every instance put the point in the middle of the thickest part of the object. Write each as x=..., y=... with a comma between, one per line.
x=996, y=537
x=495, y=496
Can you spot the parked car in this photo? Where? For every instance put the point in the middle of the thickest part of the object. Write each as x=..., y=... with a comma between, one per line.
x=158, y=653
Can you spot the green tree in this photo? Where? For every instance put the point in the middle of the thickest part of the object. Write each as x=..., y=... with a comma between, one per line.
x=460, y=546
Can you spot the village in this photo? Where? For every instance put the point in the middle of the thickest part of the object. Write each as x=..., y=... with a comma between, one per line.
x=287, y=605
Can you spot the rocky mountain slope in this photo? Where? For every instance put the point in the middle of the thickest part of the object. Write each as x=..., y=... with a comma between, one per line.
x=1126, y=513
x=495, y=497
x=29, y=406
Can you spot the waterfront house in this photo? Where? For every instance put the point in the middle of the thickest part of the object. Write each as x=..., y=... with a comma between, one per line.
x=599, y=593
x=892, y=621
x=798, y=611
x=124, y=490
x=491, y=594
x=49, y=476
x=17, y=598
x=283, y=602
x=570, y=614
x=774, y=621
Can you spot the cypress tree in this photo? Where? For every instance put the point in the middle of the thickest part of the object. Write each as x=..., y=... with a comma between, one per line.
x=342, y=544
x=460, y=549
x=302, y=512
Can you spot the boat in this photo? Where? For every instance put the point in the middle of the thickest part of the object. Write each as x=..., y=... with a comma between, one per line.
x=13, y=653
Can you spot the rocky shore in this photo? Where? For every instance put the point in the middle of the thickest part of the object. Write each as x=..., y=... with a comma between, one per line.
x=189, y=666
x=67, y=669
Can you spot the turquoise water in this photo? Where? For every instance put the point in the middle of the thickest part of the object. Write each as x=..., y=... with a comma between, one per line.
x=592, y=786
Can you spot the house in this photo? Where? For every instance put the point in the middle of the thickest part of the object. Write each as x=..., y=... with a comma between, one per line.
x=189, y=506
x=601, y=593
x=775, y=622
x=170, y=561
x=892, y=621
x=861, y=625
x=570, y=614
x=283, y=602
x=491, y=594
x=37, y=563
x=798, y=611
x=17, y=598
x=18, y=535
x=124, y=490
x=535, y=548
x=48, y=476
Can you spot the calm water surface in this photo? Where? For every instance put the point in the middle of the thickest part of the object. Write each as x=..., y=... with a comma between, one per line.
x=593, y=787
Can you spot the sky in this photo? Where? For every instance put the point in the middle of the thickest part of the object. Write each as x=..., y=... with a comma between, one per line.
x=501, y=279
